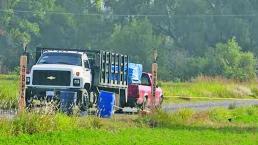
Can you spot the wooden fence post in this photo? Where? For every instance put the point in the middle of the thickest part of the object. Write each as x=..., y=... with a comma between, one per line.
x=22, y=83
x=154, y=79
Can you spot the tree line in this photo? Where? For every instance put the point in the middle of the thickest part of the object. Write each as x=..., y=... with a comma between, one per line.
x=193, y=37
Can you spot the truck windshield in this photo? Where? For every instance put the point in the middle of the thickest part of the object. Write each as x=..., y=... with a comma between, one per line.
x=60, y=58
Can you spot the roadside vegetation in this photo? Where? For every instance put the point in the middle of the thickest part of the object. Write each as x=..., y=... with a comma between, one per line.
x=8, y=91
x=200, y=87
x=209, y=87
x=217, y=126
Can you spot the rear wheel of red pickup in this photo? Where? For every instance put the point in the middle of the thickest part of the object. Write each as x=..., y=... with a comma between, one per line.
x=144, y=103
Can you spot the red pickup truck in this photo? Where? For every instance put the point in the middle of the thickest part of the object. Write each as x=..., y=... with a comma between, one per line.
x=140, y=94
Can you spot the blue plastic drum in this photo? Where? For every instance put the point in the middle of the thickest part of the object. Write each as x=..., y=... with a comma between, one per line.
x=67, y=101
x=105, y=104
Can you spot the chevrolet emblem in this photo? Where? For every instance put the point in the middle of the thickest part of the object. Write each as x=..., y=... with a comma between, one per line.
x=51, y=78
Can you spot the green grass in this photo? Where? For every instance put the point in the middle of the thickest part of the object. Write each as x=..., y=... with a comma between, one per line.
x=216, y=126
x=200, y=87
x=211, y=88
x=182, y=127
x=8, y=91
x=137, y=136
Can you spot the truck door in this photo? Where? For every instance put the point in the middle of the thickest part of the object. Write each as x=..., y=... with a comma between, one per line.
x=87, y=71
x=146, y=85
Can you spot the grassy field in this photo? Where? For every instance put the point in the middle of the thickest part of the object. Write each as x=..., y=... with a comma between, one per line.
x=183, y=127
x=211, y=88
x=216, y=126
x=8, y=91
x=136, y=136
x=200, y=87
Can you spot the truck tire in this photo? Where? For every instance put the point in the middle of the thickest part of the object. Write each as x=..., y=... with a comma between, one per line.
x=122, y=99
x=93, y=97
x=83, y=101
x=28, y=99
x=144, y=103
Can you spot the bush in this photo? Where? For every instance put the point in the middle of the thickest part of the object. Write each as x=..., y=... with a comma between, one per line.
x=220, y=115
x=183, y=116
x=32, y=123
x=246, y=115
x=160, y=118
x=228, y=60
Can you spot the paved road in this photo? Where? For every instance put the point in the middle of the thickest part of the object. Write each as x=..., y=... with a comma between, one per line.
x=200, y=106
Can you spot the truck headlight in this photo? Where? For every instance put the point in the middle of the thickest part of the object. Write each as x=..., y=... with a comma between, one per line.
x=27, y=80
x=76, y=82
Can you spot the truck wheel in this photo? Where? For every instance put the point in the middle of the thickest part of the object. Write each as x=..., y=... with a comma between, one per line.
x=144, y=103
x=123, y=97
x=93, y=98
x=83, y=100
x=28, y=99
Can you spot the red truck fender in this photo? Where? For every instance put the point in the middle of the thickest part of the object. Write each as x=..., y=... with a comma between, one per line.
x=142, y=98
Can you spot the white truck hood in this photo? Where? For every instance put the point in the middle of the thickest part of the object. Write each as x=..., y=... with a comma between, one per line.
x=61, y=67
x=77, y=72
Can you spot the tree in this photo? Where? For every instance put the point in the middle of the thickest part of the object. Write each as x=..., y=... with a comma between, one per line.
x=228, y=60
x=136, y=40
x=20, y=27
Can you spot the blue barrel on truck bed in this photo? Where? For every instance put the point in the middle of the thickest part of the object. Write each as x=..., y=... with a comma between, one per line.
x=106, y=104
x=134, y=73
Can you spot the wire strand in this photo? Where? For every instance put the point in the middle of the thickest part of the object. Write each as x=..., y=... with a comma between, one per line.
x=133, y=15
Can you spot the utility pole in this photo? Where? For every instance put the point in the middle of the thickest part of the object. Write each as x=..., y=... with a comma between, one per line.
x=154, y=78
x=22, y=83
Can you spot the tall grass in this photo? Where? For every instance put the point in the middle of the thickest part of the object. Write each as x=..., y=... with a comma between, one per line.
x=211, y=87
x=202, y=86
x=32, y=123
x=215, y=118
x=8, y=91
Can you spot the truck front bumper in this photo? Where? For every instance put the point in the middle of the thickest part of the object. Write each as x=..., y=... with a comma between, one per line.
x=41, y=93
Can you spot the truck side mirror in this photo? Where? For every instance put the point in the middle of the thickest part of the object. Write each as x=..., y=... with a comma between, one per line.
x=86, y=65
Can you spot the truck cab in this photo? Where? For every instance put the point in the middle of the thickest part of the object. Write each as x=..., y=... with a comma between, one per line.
x=57, y=71
x=61, y=70
x=141, y=94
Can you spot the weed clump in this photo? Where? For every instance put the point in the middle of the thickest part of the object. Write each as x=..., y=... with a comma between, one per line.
x=32, y=123
x=217, y=117
x=212, y=87
x=157, y=118
x=161, y=118
x=220, y=115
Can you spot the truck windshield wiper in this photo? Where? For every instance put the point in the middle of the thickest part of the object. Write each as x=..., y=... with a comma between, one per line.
x=44, y=62
x=63, y=63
